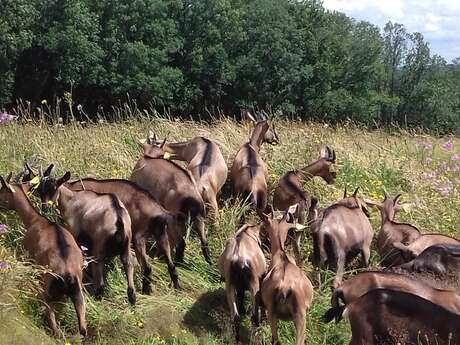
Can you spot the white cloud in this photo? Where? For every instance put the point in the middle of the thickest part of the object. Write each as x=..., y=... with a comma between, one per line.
x=437, y=20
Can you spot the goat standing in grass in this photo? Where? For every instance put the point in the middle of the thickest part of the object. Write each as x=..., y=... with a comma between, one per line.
x=391, y=231
x=242, y=265
x=205, y=162
x=286, y=291
x=173, y=187
x=52, y=246
x=289, y=190
x=340, y=232
x=99, y=221
x=249, y=172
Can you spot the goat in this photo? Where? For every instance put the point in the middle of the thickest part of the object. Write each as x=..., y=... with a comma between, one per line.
x=391, y=231
x=386, y=316
x=52, y=246
x=289, y=190
x=242, y=265
x=340, y=232
x=248, y=172
x=205, y=162
x=286, y=291
x=173, y=187
x=424, y=241
x=148, y=219
x=357, y=286
x=99, y=221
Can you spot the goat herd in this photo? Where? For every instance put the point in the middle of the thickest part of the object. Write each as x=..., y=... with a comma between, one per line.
x=414, y=300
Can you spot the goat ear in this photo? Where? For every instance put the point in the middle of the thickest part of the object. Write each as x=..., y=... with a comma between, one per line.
x=141, y=142
x=333, y=158
x=372, y=203
x=63, y=179
x=385, y=194
x=6, y=184
x=48, y=170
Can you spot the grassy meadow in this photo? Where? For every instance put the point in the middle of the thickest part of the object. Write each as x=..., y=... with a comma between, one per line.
x=424, y=168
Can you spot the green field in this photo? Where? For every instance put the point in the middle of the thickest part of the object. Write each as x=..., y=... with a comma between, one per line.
x=412, y=163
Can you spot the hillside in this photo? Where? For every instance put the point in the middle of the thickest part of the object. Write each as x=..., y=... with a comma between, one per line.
x=424, y=168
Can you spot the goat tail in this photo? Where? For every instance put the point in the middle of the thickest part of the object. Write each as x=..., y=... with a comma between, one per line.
x=336, y=296
x=240, y=275
x=259, y=199
x=328, y=248
x=282, y=295
x=334, y=313
x=71, y=284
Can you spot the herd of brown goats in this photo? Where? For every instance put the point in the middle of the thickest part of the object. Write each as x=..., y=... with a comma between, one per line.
x=415, y=299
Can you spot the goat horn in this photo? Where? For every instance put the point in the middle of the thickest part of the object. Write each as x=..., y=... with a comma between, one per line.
x=163, y=143
x=333, y=155
x=49, y=170
x=355, y=192
x=395, y=200
x=345, y=192
x=249, y=115
x=8, y=178
x=32, y=170
x=385, y=194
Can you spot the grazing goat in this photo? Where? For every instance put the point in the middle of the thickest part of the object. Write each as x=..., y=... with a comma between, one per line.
x=99, y=221
x=413, y=249
x=242, y=265
x=173, y=187
x=249, y=172
x=391, y=231
x=205, y=162
x=286, y=292
x=340, y=232
x=385, y=316
x=148, y=220
x=289, y=190
x=360, y=284
x=52, y=246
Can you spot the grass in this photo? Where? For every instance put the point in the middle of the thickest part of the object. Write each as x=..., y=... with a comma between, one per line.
x=372, y=160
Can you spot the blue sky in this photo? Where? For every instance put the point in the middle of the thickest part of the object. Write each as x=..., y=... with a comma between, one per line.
x=438, y=21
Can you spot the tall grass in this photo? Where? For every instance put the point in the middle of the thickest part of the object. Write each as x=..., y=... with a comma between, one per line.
x=372, y=160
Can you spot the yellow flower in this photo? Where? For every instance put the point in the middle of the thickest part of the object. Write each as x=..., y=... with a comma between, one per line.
x=50, y=202
x=44, y=102
x=167, y=155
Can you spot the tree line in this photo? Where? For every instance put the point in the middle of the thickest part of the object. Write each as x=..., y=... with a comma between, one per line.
x=201, y=56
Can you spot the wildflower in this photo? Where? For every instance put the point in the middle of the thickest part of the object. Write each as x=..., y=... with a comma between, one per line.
x=5, y=117
x=455, y=157
x=4, y=266
x=428, y=160
x=448, y=145
x=2, y=228
x=83, y=248
x=44, y=102
x=79, y=107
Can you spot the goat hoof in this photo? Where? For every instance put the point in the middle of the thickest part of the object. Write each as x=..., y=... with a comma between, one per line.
x=147, y=289
x=131, y=296
x=255, y=320
x=84, y=332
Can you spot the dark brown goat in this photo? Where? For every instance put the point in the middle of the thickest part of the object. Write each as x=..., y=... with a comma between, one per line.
x=148, y=220
x=286, y=291
x=360, y=284
x=340, y=232
x=424, y=241
x=391, y=231
x=385, y=316
x=242, y=265
x=173, y=187
x=52, y=246
x=205, y=162
x=99, y=221
x=248, y=172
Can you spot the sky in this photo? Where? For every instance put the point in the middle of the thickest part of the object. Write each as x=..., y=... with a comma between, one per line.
x=437, y=20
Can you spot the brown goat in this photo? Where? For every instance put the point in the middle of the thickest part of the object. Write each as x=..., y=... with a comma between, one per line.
x=385, y=316
x=205, y=162
x=286, y=291
x=391, y=231
x=52, y=246
x=289, y=190
x=249, y=172
x=99, y=221
x=148, y=220
x=360, y=284
x=413, y=249
x=340, y=232
x=173, y=187
x=242, y=265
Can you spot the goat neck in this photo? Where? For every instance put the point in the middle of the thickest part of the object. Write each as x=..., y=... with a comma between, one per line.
x=308, y=172
x=184, y=151
x=257, y=136
x=24, y=207
x=64, y=196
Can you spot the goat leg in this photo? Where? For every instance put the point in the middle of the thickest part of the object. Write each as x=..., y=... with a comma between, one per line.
x=140, y=249
x=299, y=322
x=79, y=304
x=128, y=267
x=231, y=294
x=199, y=226
x=274, y=326
x=180, y=248
x=163, y=243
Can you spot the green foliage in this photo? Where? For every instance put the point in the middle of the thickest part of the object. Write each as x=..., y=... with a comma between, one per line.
x=203, y=56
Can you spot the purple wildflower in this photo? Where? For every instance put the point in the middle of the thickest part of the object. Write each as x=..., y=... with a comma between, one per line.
x=5, y=118
x=3, y=228
x=455, y=157
x=448, y=145
x=4, y=265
